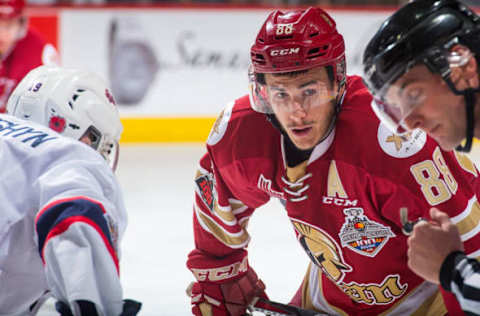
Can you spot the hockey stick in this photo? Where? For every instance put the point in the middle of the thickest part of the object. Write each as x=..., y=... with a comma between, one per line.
x=271, y=308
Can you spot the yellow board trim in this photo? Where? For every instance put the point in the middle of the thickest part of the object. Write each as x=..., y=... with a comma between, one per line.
x=166, y=129
x=170, y=129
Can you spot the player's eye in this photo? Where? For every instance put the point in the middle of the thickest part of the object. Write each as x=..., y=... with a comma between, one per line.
x=309, y=92
x=93, y=138
x=415, y=94
x=281, y=95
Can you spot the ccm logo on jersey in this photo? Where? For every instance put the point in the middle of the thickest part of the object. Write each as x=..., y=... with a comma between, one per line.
x=285, y=51
x=339, y=201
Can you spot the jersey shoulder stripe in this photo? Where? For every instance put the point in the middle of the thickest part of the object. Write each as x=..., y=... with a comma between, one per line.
x=56, y=217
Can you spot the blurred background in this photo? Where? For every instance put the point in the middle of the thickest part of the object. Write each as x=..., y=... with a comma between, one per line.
x=173, y=66
x=236, y=2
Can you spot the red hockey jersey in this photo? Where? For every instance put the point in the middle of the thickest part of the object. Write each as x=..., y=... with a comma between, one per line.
x=343, y=203
x=27, y=53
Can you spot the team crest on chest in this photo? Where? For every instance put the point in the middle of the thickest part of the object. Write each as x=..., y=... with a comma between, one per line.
x=363, y=235
x=323, y=250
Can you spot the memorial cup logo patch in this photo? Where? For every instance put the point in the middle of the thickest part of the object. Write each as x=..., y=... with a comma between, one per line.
x=363, y=235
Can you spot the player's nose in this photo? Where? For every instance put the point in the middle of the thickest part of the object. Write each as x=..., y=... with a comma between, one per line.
x=414, y=121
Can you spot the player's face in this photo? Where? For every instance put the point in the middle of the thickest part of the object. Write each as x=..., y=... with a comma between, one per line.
x=428, y=104
x=10, y=29
x=303, y=104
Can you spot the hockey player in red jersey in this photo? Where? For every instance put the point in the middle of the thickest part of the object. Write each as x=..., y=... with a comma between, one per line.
x=307, y=135
x=21, y=48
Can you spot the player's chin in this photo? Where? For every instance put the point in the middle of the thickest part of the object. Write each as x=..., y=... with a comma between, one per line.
x=446, y=143
x=305, y=141
x=303, y=144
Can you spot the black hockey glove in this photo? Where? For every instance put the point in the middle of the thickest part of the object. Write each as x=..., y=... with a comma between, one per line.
x=87, y=308
x=130, y=308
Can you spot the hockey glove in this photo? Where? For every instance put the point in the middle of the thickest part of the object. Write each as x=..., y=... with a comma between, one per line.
x=226, y=299
x=87, y=308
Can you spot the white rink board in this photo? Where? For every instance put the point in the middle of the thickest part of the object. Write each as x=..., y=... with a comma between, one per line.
x=203, y=54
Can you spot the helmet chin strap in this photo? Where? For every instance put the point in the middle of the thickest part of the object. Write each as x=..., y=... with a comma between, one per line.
x=470, y=99
x=469, y=106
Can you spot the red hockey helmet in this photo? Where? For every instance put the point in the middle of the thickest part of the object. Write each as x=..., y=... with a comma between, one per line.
x=297, y=40
x=11, y=8
x=292, y=41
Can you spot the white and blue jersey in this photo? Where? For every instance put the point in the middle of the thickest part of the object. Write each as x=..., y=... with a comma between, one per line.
x=62, y=219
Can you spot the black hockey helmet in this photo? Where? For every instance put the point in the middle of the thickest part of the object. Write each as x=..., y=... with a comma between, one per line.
x=422, y=31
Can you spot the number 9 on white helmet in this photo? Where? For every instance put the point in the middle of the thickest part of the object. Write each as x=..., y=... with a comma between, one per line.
x=74, y=103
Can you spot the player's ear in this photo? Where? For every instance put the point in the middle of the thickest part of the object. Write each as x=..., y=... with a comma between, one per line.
x=464, y=68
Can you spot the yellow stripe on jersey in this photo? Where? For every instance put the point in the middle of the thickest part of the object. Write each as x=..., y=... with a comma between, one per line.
x=433, y=306
x=225, y=213
x=466, y=163
x=471, y=221
x=237, y=240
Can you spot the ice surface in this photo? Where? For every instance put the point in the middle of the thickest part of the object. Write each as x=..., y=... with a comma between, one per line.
x=157, y=182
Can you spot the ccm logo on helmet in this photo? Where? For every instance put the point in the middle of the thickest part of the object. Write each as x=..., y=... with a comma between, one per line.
x=285, y=51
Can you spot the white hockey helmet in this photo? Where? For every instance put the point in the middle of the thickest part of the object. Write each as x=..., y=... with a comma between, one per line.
x=74, y=103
